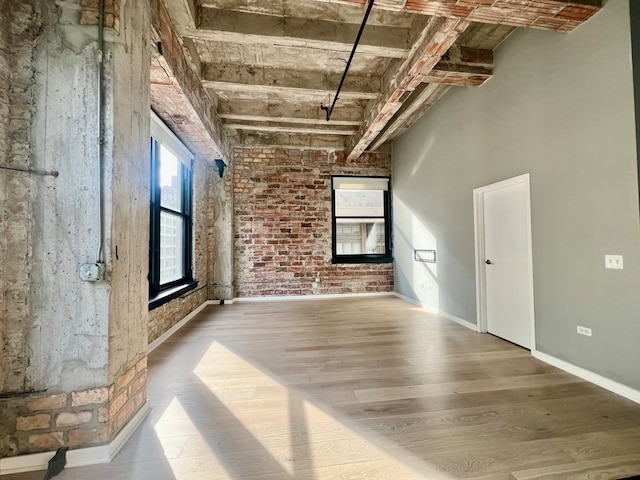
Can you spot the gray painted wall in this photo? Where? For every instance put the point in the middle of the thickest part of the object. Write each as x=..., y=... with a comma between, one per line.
x=561, y=107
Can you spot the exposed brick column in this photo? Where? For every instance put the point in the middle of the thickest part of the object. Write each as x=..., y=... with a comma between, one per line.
x=16, y=90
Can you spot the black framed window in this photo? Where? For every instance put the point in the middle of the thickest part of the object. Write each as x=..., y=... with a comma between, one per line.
x=361, y=217
x=170, y=245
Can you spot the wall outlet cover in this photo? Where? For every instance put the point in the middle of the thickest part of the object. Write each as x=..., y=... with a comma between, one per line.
x=613, y=261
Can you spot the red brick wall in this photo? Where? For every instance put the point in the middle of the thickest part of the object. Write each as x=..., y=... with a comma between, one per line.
x=89, y=13
x=47, y=421
x=283, y=224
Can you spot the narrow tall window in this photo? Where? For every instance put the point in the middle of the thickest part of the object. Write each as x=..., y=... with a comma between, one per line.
x=361, y=220
x=170, y=256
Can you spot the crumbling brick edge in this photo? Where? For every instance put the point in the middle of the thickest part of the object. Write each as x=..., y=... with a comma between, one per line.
x=78, y=457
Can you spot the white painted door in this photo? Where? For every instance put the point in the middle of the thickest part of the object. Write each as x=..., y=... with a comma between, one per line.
x=507, y=261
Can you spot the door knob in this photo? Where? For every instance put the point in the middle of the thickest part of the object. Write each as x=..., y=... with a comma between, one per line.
x=489, y=262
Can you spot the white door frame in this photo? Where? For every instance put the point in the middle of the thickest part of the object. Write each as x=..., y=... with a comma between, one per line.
x=478, y=217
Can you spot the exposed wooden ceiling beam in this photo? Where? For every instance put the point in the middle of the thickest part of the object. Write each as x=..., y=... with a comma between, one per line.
x=183, y=12
x=435, y=40
x=246, y=90
x=254, y=29
x=233, y=117
x=175, y=56
x=561, y=15
x=423, y=98
x=456, y=67
x=288, y=127
x=230, y=77
x=349, y=114
x=312, y=9
x=291, y=140
x=168, y=101
x=463, y=67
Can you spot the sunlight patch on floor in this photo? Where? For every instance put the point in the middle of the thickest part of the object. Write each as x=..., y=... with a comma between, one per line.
x=281, y=432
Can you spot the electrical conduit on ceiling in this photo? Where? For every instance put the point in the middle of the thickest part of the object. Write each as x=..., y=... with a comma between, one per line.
x=329, y=110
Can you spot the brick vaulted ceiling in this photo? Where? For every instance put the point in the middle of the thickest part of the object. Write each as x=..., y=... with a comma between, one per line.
x=265, y=66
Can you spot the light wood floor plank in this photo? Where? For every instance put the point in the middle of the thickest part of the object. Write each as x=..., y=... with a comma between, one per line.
x=609, y=468
x=369, y=388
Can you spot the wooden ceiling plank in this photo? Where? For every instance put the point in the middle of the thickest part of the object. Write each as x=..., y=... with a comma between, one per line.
x=290, y=140
x=182, y=12
x=284, y=127
x=421, y=97
x=437, y=39
x=463, y=67
x=410, y=112
x=347, y=13
x=364, y=86
x=292, y=120
x=348, y=114
x=255, y=29
x=561, y=15
x=321, y=94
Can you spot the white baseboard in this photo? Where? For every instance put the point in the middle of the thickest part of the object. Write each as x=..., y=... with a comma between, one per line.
x=458, y=320
x=435, y=311
x=129, y=429
x=162, y=338
x=288, y=298
x=79, y=457
x=589, y=376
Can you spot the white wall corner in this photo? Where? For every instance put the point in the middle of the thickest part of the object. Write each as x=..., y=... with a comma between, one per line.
x=435, y=311
x=418, y=303
x=459, y=321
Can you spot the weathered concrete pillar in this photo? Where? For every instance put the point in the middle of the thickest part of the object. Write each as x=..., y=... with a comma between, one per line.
x=73, y=358
x=223, y=236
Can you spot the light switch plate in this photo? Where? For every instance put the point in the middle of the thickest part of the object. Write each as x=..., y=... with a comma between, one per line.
x=613, y=261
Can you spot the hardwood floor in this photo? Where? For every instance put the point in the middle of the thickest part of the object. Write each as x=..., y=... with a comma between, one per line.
x=370, y=388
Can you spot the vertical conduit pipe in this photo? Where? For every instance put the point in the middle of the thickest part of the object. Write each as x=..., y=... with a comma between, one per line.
x=101, y=96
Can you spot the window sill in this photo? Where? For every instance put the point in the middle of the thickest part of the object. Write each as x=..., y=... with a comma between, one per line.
x=360, y=259
x=171, y=294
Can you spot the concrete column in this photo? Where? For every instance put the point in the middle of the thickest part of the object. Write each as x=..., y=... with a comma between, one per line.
x=223, y=279
x=66, y=345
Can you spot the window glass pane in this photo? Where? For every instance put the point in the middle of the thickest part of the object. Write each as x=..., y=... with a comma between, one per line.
x=359, y=203
x=171, y=247
x=359, y=236
x=170, y=180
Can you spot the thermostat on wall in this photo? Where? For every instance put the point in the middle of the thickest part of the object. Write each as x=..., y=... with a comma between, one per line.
x=428, y=256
